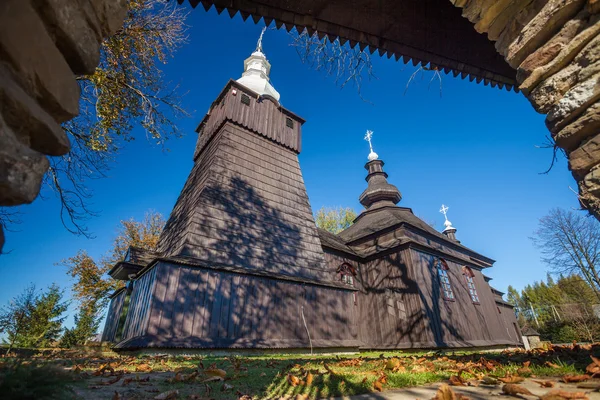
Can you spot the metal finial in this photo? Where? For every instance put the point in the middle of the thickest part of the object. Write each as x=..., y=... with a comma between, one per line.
x=259, y=43
x=372, y=155
x=444, y=210
x=447, y=224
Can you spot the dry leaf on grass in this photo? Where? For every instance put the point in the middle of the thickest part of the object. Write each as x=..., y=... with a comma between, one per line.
x=488, y=380
x=309, y=378
x=170, y=395
x=293, y=380
x=546, y=384
x=377, y=385
x=392, y=363
x=515, y=390
x=575, y=378
x=551, y=365
x=456, y=380
x=143, y=368
x=511, y=379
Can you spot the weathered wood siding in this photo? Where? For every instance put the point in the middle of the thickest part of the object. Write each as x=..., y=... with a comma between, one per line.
x=262, y=116
x=511, y=327
x=139, y=311
x=245, y=205
x=391, y=313
x=460, y=322
x=112, y=318
x=194, y=307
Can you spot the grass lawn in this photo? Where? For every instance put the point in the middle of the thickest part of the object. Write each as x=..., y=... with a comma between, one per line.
x=275, y=376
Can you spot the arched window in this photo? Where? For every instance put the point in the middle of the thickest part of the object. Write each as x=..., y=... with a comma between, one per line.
x=347, y=273
x=442, y=268
x=468, y=274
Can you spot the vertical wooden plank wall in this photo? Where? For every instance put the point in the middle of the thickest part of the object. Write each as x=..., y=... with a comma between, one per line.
x=224, y=308
x=460, y=321
x=139, y=306
x=112, y=318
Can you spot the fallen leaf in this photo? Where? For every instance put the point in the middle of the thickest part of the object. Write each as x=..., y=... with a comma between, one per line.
x=546, y=384
x=377, y=385
x=456, y=380
x=563, y=394
x=301, y=396
x=445, y=393
x=488, y=380
x=215, y=373
x=575, y=378
x=293, y=380
x=511, y=379
x=524, y=371
x=515, y=390
x=143, y=368
x=392, y=363
x=309, y=378
x=551, y=365
x=112, y=381
x=526, y=364
x=171, y=394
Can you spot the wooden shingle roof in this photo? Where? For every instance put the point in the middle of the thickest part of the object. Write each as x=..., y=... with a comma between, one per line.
x=432, y=33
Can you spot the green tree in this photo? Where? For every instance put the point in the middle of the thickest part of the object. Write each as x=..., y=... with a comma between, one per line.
x=14, y=317
x=335, y=220
x=87, y=322
x=91, y=284
x=570, y=244
x=561, y=310
x=34, y=319
x=127, y=90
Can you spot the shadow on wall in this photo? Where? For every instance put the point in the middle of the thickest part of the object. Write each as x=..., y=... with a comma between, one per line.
x=235, y=226
x=390, y=320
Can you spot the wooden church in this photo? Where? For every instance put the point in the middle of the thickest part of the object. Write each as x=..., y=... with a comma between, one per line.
x=242, y=265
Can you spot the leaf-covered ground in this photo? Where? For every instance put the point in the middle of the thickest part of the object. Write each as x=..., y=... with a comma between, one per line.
x=113, y=376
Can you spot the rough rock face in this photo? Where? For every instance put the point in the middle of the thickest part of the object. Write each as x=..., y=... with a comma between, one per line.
x=555, y=47
x=44, y=44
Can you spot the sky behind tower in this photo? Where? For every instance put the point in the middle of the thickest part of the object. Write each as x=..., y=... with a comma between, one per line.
x=473, y=149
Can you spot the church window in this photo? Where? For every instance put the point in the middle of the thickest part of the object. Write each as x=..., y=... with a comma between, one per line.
x=442, y=267
x=347, y=273
x=289, y=123
x=245, y=99
x=469, y=277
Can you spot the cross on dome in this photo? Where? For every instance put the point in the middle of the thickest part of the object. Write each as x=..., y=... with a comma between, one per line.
x=444, y=210
x=372, y=155
x=447, y=223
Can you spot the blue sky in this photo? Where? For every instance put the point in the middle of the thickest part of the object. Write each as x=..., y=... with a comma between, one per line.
x=472, y=149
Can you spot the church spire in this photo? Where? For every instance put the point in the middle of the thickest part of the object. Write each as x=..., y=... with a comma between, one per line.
x=449, y=230
x=379, y=192
x=256, y=72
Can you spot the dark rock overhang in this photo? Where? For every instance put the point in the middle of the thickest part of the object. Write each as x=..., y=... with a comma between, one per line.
x=432, y=33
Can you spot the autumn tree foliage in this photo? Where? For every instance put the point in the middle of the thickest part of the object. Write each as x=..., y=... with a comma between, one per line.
x=126, y=91
x=335, y=219
x=33, y=319
x=91, y=284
